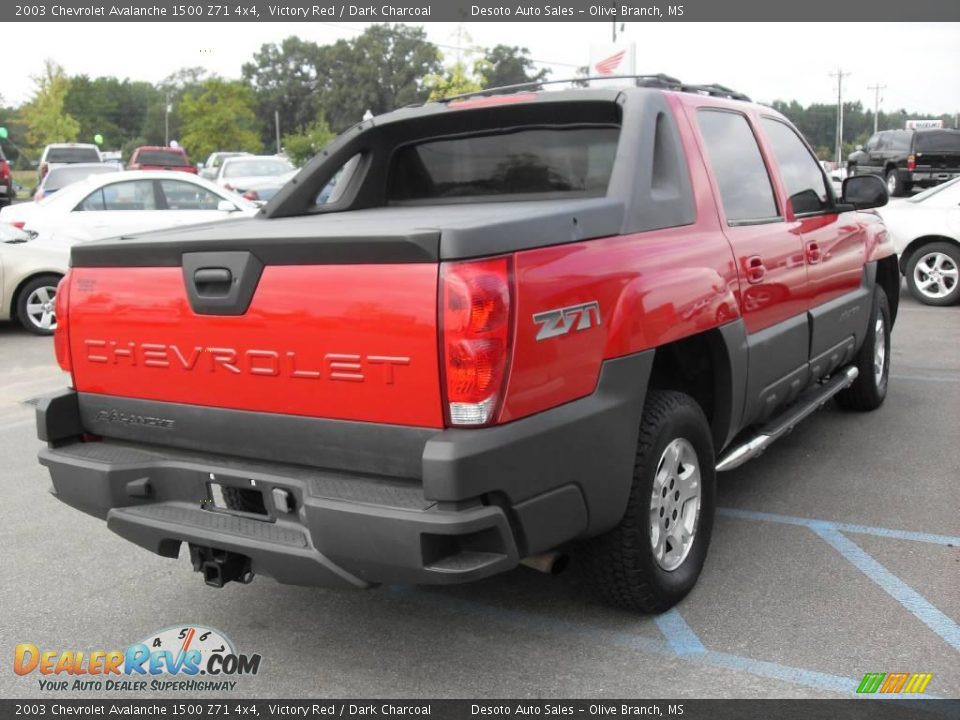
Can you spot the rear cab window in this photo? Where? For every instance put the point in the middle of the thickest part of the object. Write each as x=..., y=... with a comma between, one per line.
x=544, y=161
x=72, y=155
x=162, y=158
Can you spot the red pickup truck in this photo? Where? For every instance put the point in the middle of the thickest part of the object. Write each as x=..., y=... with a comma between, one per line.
x=160, y=158
x=522, y=322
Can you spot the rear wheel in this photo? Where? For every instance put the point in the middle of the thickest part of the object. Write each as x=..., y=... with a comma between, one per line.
x=933, y=274
x=869, y=390
x=895, y=185
x=653, y=558
x=35, y=304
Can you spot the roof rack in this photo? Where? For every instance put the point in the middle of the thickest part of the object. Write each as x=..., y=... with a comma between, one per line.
x=665, y=82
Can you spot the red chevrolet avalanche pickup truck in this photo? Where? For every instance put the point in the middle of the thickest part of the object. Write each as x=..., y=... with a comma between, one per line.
x=521, y=322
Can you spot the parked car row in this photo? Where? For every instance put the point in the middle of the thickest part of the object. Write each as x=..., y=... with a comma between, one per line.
x=35, y=246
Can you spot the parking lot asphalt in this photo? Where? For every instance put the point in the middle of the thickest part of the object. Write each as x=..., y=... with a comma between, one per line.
x=835, y=554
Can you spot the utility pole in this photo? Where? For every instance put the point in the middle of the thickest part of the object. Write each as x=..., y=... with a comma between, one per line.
x=276, y=122
x=166, y=120
x=839, y=75
x=876, y=103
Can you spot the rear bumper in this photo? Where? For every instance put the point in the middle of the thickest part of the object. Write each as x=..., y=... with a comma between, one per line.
x=479, y=501
x=924, y=177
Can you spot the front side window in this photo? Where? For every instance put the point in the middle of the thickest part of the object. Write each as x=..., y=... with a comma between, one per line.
x=133, y=195
x=802, y=174
x=745, y=189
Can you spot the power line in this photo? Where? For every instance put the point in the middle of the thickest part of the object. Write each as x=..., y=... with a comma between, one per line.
x=876, y=103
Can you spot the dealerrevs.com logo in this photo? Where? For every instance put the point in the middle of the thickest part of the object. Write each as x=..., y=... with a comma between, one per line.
x=188, y=658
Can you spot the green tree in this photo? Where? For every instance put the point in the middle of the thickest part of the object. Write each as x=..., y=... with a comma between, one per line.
x=506, y=65
x=454, y=81
x=46, y=120
x=221, y=117
x=302, y=146
x=284, y=77
x=380, y=70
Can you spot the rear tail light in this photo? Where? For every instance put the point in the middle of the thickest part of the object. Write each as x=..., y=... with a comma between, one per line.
x=911, y=162
x=18, y=224
x=61, y=336
x=251, y=195
x=476, y=336
x=5, y=170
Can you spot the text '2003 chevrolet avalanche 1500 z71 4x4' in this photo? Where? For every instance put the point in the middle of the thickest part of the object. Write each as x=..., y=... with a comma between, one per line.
x=521, y=321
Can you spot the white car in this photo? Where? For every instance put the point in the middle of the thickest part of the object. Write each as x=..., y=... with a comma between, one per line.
x=119, y=203
x=29, y=272
x=926, y=233
x=240, y=173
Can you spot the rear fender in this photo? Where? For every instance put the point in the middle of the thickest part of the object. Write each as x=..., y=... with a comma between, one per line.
x=660, y=307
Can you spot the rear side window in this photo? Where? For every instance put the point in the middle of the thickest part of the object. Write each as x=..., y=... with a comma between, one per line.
x=187, y=196
x=802, y=174
x=531, y=161
x=732, y=150
x=73, y=155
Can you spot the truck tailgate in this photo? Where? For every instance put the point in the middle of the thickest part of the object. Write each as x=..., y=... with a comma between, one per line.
x=342, y=341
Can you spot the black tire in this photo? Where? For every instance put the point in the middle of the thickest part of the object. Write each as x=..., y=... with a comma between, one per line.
x=621, y=563
x=868, y=391
x=894, y=183
x=32, y=286
x=952, y=252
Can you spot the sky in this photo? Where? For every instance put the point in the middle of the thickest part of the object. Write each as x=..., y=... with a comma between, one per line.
x=767, y=61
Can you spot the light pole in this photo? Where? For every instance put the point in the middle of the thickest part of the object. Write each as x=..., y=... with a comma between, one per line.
x=276, y=122
x=876, y=103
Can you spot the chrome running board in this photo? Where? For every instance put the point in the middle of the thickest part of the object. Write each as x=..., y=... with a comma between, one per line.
x=806, y=404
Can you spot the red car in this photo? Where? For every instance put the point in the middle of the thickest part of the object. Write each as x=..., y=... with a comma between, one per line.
x=519, y=325
x=160, y=158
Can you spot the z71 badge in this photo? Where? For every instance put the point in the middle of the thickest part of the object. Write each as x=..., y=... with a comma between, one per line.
x=561, y=321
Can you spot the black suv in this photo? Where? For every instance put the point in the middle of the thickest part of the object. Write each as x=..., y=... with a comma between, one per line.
x=905, y=158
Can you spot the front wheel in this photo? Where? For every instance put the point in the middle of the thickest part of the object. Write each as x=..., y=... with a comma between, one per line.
x=869, y=390
x=35, y=305
x=933, y=273
x=653, y=558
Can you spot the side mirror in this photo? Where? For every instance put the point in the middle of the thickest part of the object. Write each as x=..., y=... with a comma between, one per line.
x=864, y=192
x=226, y=206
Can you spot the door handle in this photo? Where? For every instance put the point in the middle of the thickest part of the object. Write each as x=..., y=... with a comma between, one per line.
x=813, y=253
x=212, y=281
x=755, y=269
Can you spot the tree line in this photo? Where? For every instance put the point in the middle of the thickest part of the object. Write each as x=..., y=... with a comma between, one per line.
x=312, y=92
